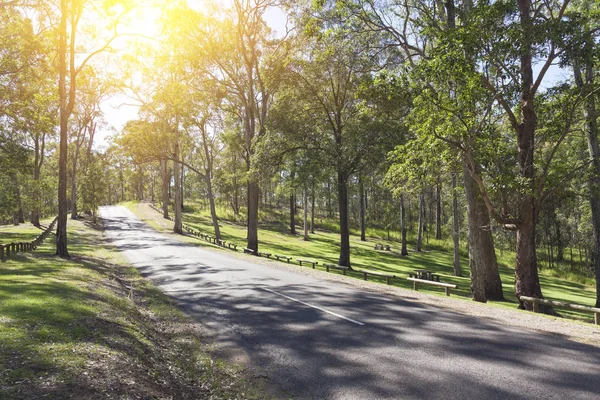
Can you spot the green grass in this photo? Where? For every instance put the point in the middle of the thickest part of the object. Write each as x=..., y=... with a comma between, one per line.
x=274, y=237
x=75, y=328
x=22, y=232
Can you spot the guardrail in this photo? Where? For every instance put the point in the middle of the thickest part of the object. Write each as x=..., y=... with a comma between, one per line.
x=18, y=247
x=579, y=307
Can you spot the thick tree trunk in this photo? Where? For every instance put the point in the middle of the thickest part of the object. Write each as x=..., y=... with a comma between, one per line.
x=421, y=216
x=305, y=210
x=312, y=209
x=526, y=272
x=455, y=228
x=177, y=225
x=292, y=204
x=344, y=226
x=362, y=210
x=164, y=177
x=404, y=250
x=438, y=211
x=485, y=276
x=292, y=213
x=253, y=197
x=61, y=225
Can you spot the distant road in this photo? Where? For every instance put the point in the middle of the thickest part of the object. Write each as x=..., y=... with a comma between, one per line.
x=317, y=339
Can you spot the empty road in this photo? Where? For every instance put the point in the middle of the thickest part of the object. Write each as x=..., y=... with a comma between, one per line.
x=322, y=340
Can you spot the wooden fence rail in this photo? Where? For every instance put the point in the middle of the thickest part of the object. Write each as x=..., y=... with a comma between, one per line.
x=535, y=301
x=18, y=247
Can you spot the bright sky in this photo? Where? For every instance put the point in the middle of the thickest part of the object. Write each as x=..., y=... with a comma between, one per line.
x=119, y=109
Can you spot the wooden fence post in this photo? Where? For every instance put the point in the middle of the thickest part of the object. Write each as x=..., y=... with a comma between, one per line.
x=1, y=252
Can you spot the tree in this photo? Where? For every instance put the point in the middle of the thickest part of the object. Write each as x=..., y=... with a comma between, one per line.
x=584, y=57
x=237, y=51
x=70, y=14
x=333, y=69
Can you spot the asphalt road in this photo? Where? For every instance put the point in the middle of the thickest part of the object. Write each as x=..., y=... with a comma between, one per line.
x=317, y=339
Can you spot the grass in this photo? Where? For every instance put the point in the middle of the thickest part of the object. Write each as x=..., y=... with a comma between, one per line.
x=323, y=246
x=21, y=233
x=90, y=327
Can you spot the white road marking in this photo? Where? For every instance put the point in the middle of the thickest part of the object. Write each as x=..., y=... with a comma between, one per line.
x=316, y=307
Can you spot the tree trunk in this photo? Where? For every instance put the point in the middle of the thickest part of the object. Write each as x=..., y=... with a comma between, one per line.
x=164, y=176
x=35, y=213
x=122, y=183
x=344, y=226
x=74, y=187
x=586, y=82
x=485, y=276
x=362, y=209
x=182, y=187
x=253, y=196
x=40, y=144
x=312, y=209
x=19, y=217
x=421, y=215
x=438, y=211
x=329, y=206
x=61, y=225
x=140, y=194
x=526, y=270
x=559, y=242
x=152, y=185
x=211, y=200
x=177, y=225
x=404, y=250
x=292, y=213
x=527, y=281
x=305, y=210
x=455, y=228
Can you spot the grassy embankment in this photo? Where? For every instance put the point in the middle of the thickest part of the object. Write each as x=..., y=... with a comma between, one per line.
x=90, y=328
x=323, y=246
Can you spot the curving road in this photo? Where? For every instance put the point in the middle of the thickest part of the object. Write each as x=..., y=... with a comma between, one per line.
x=317, y=339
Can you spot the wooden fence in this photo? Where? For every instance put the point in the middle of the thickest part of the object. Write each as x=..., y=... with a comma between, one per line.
x=535, y=304
x=18, y=247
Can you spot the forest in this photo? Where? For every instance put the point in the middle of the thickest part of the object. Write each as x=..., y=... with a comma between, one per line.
x=473, y=123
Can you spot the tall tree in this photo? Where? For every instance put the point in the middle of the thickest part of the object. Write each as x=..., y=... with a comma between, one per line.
x=70, y=14
x=585, y=58
x=242, y=56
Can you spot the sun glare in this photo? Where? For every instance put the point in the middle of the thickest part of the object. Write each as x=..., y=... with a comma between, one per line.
x=142, y=21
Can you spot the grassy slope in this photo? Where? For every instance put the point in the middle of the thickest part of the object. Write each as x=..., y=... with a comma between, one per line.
x=70, y=329
x=323, y=247
x=21, y=233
